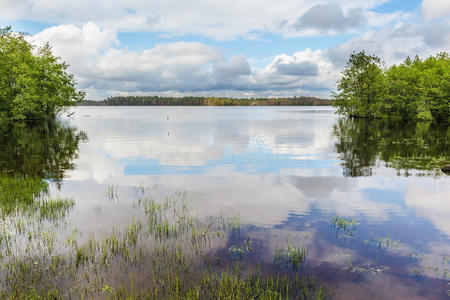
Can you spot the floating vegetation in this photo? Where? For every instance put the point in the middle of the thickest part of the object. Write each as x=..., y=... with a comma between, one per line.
x=368, y=269
x=418, y=272
x=441, y=270
x=111, y=192
x=237, y=252
x=343, y=224
x=248, y=244
x=345, y=228
x=382, y=242
x=290, y=256
x=374, y=269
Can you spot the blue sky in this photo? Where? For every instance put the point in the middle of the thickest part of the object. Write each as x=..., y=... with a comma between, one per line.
x=245, y=49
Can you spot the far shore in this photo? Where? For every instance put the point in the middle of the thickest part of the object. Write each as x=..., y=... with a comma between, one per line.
x=206, y=101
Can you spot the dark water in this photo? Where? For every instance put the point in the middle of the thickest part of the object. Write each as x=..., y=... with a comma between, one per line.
x=286, y=172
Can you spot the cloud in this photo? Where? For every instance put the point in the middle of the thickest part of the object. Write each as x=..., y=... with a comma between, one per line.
x=236, y=66
x=304, y=68
x=78, y=46
x=435, y=208
x=437, y=35
x=394, y=44
x=217, y=20
x=433, y=9
x=103, y=67
x=330, y=17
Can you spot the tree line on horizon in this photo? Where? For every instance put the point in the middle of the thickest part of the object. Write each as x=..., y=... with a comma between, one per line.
x=416, y=89
x=205, y=101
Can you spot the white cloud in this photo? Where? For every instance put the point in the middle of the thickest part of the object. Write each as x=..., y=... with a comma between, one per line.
x=433, y=9
x=394, y=44
x=324, y=71
x=218, y=19
x=103, y=68
x=431, y=203
x=79, y=46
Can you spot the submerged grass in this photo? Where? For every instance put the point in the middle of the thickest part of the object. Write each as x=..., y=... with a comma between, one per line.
x=345, y=225
x=112, y=192
x=290, y=256
x=168, y=254
x=19, y=192
x=382, y=242
x=55, y=209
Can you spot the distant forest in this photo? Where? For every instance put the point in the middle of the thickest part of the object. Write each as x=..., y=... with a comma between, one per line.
x=206, y=101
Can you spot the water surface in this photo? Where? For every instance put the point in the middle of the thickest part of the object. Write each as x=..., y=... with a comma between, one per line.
x=287, y=172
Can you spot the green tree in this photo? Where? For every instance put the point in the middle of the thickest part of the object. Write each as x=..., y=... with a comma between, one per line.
x=34, y=84
x=436, y=83
x=361, y=86
x=421, y=88
x=405, y=96
x=415, y=89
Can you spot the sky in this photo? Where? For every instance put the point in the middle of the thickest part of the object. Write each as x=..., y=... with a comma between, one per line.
x=246, y=48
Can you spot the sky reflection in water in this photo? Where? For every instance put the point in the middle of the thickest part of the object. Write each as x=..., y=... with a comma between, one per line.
x=289, y=171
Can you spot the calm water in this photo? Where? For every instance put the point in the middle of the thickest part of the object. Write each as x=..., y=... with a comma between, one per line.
x=287, y=172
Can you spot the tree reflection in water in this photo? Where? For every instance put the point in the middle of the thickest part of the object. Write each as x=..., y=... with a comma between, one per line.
x=405, y=146
x=30, y=156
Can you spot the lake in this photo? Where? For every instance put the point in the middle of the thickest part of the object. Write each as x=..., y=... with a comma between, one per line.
x=365, y=200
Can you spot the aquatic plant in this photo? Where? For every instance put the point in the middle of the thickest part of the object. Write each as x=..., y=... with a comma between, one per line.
x=236, y=251
x=441, y=270
x=345, y=225
x=345, y=228
x=290, y=256
x=374, y=269
x=19, y=192
x=111, y=192
x=54, y=209
x=170, y=249
x=381, y=242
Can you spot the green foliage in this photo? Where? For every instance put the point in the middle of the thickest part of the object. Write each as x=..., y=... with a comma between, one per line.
x=415, y=89
x=34, y=84
x=361, y=88
x=18, y=192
